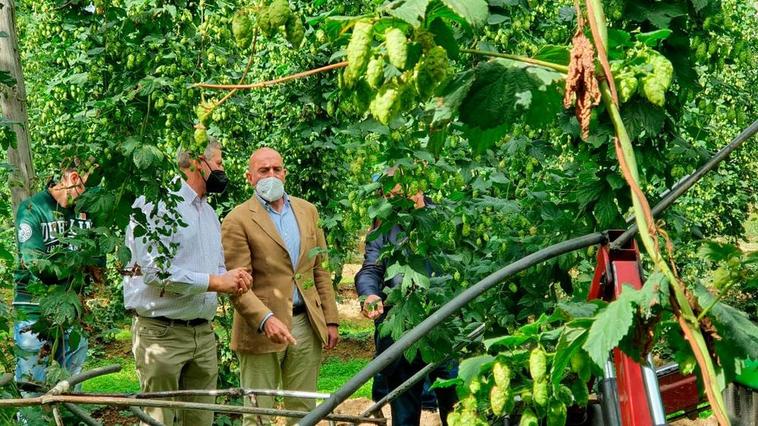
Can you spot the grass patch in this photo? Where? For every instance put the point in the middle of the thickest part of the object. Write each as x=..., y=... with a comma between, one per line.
x=336, y=372
x=123, y=335
x=124, y=381
x=356, y=329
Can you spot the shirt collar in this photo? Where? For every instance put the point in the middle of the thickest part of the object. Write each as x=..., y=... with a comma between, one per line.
x=189, y=194
x=267, y=205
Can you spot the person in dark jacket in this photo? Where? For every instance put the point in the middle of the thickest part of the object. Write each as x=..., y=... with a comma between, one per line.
x=370, y=282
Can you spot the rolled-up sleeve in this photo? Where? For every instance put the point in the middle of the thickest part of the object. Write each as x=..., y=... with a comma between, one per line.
x=168, y=276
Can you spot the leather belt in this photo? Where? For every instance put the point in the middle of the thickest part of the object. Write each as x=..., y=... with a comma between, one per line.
x=186, y=323
x=298, y=309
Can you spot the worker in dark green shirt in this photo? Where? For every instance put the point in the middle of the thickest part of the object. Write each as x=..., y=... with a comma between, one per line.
x=41, y=221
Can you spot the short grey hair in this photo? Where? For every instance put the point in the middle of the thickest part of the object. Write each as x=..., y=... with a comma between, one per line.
x=184, y=157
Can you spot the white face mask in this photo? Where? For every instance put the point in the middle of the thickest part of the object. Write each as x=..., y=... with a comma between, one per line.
x=270, y=189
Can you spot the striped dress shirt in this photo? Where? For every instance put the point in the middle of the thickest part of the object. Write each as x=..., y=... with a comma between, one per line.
x=183, y=293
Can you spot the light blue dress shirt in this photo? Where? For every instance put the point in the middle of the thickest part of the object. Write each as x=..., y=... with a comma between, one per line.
x=286, y=225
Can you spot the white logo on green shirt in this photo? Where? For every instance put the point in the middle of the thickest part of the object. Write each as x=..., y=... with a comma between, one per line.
x=24, y=232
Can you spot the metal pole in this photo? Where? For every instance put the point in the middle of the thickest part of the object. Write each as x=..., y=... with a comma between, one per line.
x=143, y=416
x=609, y=402
x=233, y=392
x=135, y=402
x=686, y=183
x=421, y=374
x=657, y=411
x=65, y=385
x=436, y=318
x=83, y=416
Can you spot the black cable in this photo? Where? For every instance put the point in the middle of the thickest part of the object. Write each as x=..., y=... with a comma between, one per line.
x=436, y=318
x=415, y=334
x=686, y=183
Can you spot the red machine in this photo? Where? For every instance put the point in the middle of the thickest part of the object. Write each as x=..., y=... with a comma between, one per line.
x=630, y=392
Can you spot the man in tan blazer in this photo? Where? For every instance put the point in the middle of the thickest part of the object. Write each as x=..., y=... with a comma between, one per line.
x=290, y=314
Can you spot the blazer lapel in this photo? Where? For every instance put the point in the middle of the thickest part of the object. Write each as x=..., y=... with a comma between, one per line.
x=261, y=217
x=301, y=216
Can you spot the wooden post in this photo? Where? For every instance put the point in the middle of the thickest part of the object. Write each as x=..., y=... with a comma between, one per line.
x=13, y=107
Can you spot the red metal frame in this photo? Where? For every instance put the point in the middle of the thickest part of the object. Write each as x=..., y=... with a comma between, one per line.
x=679, y=392
x=616, y=268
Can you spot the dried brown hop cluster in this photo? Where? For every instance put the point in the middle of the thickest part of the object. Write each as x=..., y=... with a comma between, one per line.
x=581, y=83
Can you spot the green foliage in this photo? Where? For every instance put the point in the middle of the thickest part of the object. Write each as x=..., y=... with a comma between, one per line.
x=500, y=112
x=115, y=86
x=486, y=140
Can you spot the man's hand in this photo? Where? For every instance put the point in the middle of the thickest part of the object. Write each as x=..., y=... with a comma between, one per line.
x=333, y=336
x=372, y=307
x=277, y=332
x=237, y=281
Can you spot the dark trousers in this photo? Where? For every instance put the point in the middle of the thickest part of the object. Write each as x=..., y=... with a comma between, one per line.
x=406, y=408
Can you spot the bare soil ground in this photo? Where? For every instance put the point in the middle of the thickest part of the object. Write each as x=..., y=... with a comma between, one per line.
x=710, y=421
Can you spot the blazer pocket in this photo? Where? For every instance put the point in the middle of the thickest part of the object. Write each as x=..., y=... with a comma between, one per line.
x=310, y=241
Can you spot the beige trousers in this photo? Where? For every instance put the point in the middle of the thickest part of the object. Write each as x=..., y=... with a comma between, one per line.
x=295, y=368
x=173, y=358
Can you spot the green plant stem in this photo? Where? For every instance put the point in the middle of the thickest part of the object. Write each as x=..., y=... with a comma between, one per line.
x=597, y=8
x=686, y=317
x=550, y=65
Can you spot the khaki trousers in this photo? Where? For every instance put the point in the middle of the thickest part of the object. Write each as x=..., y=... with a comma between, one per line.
x=295, y=368
x=175, y=357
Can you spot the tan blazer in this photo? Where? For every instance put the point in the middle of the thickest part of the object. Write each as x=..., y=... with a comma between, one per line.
x=251, y=241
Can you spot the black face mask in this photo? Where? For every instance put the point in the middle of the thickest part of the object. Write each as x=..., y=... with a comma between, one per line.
x=216, y=182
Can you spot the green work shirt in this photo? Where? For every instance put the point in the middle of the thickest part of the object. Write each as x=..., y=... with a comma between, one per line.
x=40, y=220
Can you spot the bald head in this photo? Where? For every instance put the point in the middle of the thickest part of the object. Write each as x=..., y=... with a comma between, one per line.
x=265, y=162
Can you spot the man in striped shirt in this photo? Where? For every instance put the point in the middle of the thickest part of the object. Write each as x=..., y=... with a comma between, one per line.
x=174, y=293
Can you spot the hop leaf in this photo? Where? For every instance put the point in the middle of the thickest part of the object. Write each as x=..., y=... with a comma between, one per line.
x=375, y=72
x=294, y=30
x=242, y=29
x=358, y=50
x=279, y=12
x=397, y=47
